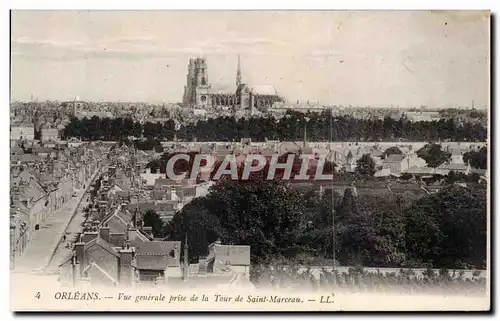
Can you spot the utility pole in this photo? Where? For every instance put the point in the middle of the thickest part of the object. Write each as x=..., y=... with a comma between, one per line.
x=186, y=259
x=333, y=209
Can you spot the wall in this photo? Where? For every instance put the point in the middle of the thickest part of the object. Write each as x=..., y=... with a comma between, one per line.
x=27, y=133
x=50, y=134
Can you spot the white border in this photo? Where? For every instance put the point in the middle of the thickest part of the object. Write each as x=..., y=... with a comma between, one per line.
x=185, y=5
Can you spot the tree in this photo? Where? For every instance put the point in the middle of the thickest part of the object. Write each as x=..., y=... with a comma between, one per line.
x=394, y=150
x=448, y=228
x=199, y=225
x=356, y=232
x=386, y=213
x=477, y=159
x=433, y=155
x=365, y=165
x=288, y=128
x=266, y=214
x=152, y=219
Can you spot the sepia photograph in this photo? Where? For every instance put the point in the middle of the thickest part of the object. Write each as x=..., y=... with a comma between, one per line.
x=222, y=160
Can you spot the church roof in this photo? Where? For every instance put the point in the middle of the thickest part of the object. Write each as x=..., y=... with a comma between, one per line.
x=264, y=90
x=223, y=89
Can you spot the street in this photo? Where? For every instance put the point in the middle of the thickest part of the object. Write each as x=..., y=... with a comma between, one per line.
x=73, y=229
x=40, y=250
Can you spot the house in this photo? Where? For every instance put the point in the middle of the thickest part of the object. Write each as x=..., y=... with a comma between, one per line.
x=149, y=178
x=446, y=168
x=421, y=171
x=74, y=142
x=20, y=229
x=396, y=163
x=49, y=134
x=16, y=151
x=222, y=258
x=25, y=131
x=99, y=262
x=157, y=259
x=44, y=151
x=50, y=143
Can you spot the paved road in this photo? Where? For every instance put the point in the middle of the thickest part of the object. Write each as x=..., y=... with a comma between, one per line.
x=73, y=229
x=44, y=242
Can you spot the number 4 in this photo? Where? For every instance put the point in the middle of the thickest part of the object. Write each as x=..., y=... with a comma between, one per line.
x=37, y=295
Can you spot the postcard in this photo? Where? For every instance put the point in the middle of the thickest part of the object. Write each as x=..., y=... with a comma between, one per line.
x=250, y=161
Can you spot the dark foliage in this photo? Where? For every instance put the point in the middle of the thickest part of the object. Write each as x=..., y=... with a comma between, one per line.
x=319, y=128
x=447, y=229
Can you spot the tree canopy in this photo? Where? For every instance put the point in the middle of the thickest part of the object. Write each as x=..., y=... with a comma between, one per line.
x=152, y=219
x=393, y=150
x=433, y=155
x=477, y=159
x=320, y=127
x=365, y=165
x=447, y=229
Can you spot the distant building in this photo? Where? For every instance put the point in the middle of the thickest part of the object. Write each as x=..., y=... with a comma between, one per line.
x=396, y=163
x=22, y=132
x=426, y=116
x=74, y=142
x=49, y=134
x=199, y=93
x=222, y=257
x=280, y=108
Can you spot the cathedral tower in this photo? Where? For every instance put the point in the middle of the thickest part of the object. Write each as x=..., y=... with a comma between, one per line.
x=197, y=89
x=238, y=73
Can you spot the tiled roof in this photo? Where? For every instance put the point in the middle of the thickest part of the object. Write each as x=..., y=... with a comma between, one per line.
x=163, y=182
x=232, y=254
x=156, y=255
x=16, y=150
x=27, y=158
x=151, y=262
x=453, y=167
x=189, y=191
x=156, y=247
x=32, y=193
x=123, y=194
x=394, y=158
x=103, y=244
x=420, y=170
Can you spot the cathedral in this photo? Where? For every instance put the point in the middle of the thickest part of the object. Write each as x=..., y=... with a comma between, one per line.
x=199, y=94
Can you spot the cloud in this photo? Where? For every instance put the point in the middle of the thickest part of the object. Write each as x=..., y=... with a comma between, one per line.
x=124, y=48
x=137, y=48
x=131, y=40
x=47, y=42
x=232, y=45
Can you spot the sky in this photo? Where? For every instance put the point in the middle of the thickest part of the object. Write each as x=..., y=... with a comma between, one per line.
x=365, y=58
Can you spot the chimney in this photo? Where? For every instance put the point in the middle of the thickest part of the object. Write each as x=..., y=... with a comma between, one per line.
x=104, y=233
x=202, y=266
x=80, y=255
x=89, y=236
x=130, y=232
x=126, y=269
x=148, y=230
x=173, y=194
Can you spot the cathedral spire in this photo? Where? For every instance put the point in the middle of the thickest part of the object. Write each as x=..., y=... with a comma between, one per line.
x=238, y=73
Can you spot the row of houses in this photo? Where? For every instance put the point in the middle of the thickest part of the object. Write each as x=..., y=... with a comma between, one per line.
x=116, y=249
x=26, y=132
x=41, y=183
x=344, y=154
